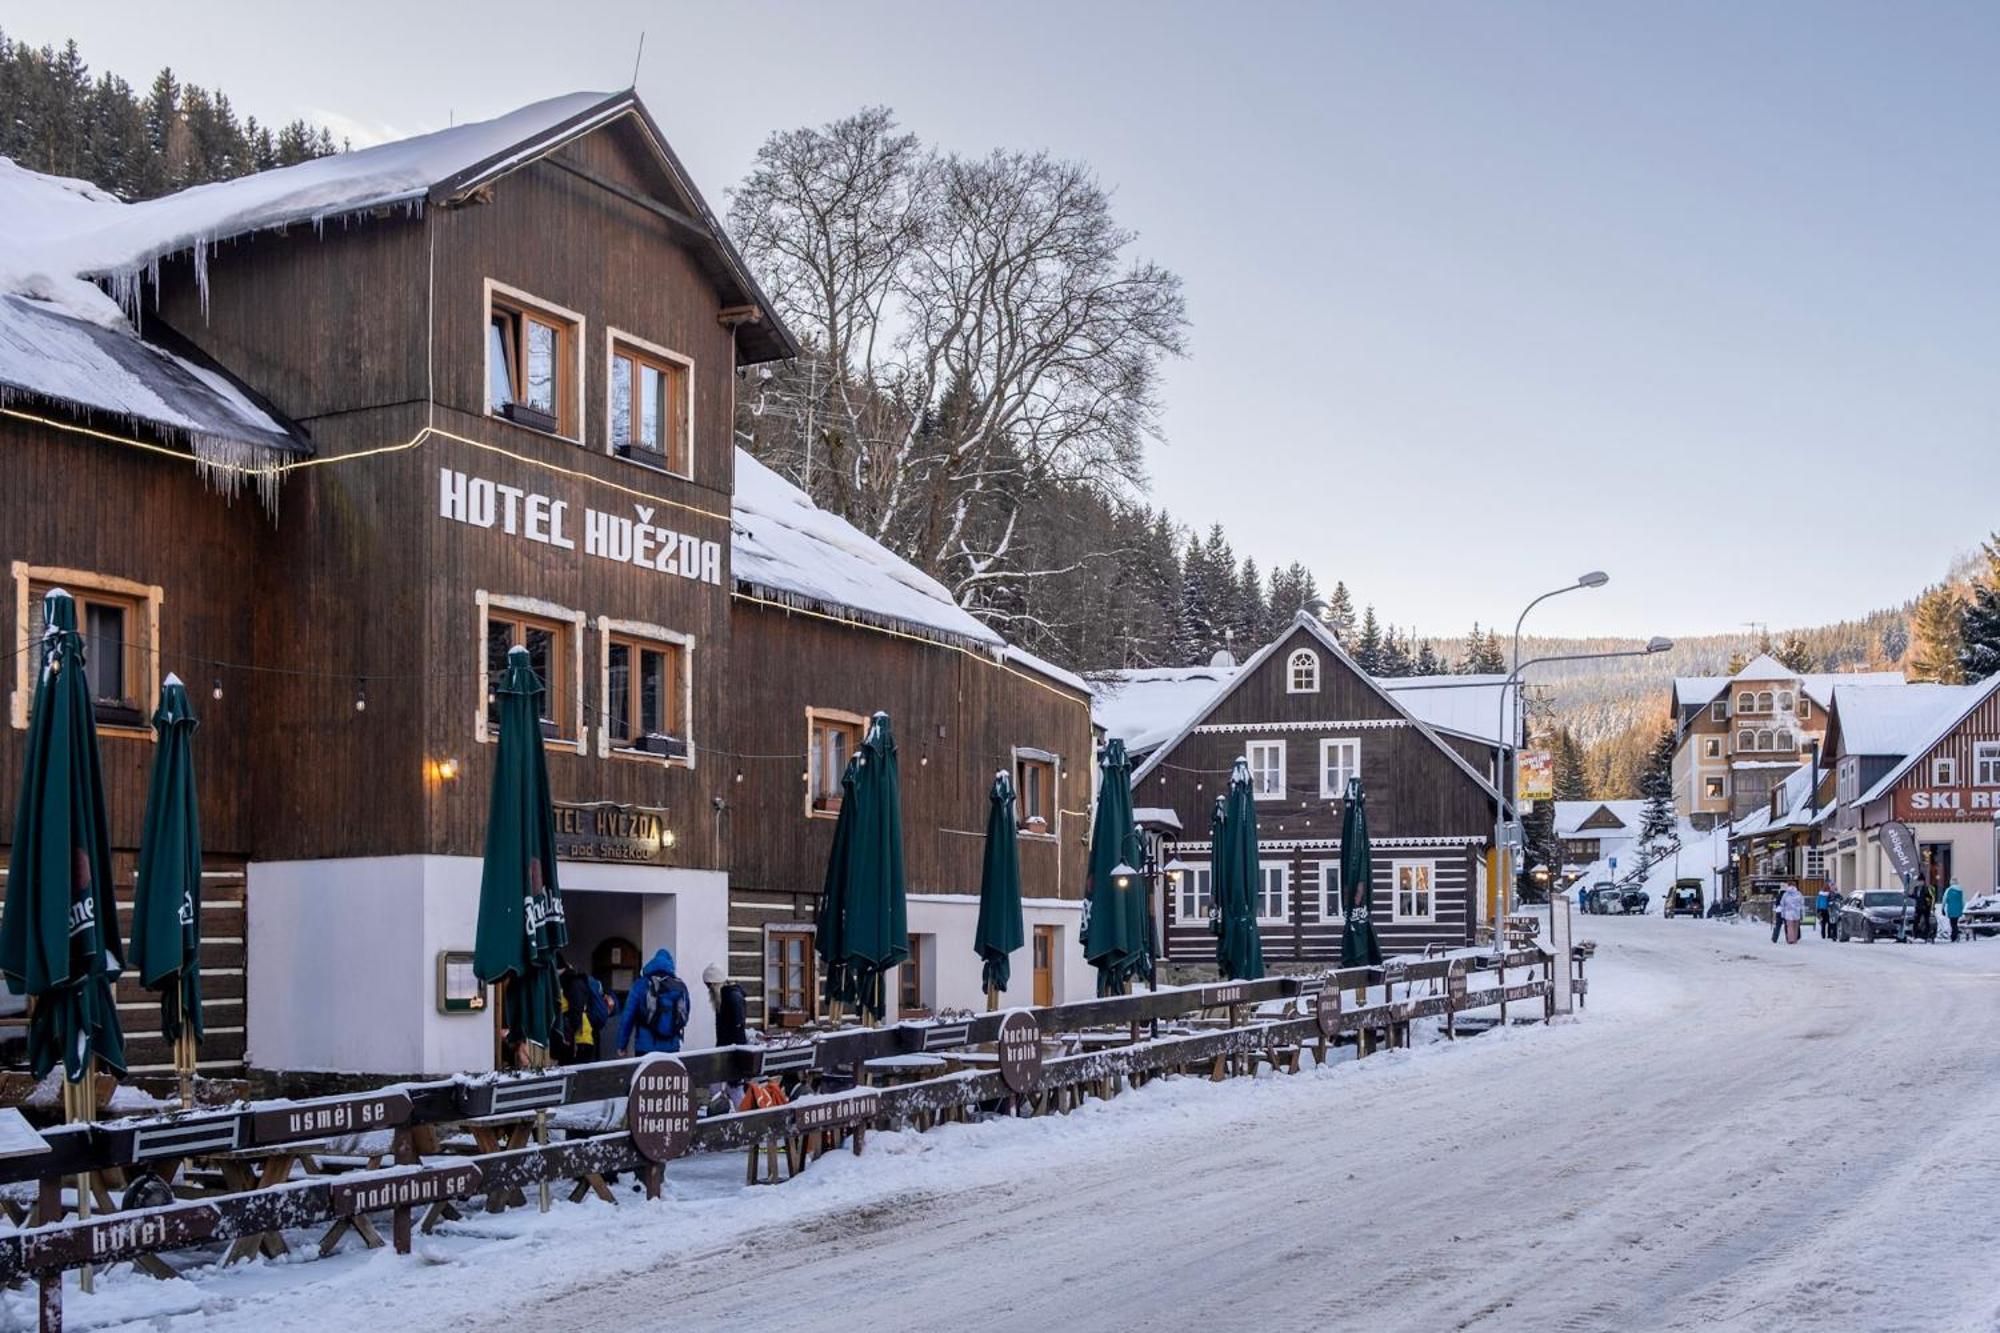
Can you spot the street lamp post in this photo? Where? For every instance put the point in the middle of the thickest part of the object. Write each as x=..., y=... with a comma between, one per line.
x=1507, y=770
x=1503, y=861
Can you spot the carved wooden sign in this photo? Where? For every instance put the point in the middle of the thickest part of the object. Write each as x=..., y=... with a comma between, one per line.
x=943, y=1036
x=1020, y=1052
x=1327, y=1011
x=1231, y=994
x=121, y=1235
x=787, y=1059
x=659, y=1110
x=370, y=1192
x=1454, y=983
x=836, y=1112
x=346, y=1115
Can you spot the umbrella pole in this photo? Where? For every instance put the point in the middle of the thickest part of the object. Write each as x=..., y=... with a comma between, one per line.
x=184, y=1064
x=992, y=999
x=538, y=1057
x=83, y=1102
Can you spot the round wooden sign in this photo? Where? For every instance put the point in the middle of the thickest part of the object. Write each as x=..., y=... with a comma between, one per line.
x=1327, y=1010
x=1020, y=1052
x=659, y=1111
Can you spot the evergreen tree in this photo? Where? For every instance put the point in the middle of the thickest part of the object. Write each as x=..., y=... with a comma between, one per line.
x=1938, y=635
x=1427, y=660
x=1572, y=783
x=1483, y=656
x=1737, y=661
x=1340, y=615
x=1194, y=634
x=1249, y=615
x=1658, y=823
x=1395, y=659
x=1796, y=654
x=1979, y=627
x=1367, y=645
x=1895, y=641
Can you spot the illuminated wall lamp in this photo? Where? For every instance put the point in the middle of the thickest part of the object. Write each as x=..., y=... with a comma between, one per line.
x=445, y=770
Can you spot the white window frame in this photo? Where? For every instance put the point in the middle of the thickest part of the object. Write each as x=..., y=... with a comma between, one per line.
x=1805, y=706
x=1719, y=710
x=1746, y=702
x=1986, y=763
x=1251, y=749
x=579, y=625
x=659, y=634
x=613, y=337
x=516, y=296
x=1335, y=791
x=1847, y=783
x=1331, y=908
x=1813, y=862
x=1190, y=891
x=1283, y=873
x=1944, y=770
x=1746, y=739
x=1721, y=780
x=1767, y=702
x=26, y=663
x=1428, y=865
x=1052, y=761
x=1308, y=659
x=1786, y=701
x=1787, y=741
x=1713, y=750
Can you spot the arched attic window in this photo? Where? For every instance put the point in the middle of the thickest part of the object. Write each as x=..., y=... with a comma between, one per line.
x=1302, y=672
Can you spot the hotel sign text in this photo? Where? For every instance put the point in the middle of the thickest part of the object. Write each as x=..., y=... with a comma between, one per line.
x=625, y=539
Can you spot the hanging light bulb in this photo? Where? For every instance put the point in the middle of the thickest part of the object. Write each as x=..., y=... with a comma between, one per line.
x=361, y=697
x=216, y=693
x=739, y=775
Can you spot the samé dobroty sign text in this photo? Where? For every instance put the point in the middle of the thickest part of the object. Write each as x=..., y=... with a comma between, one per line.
x=626, y=539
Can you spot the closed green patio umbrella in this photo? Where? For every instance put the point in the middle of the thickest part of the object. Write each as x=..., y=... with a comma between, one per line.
x=1239, y=951
x=874, y=913
x=166, y=911
x=521, y=920
x=999, y=931
x=1114, y=925
x=832, y=910
x=59, y=929
x=1358, y=945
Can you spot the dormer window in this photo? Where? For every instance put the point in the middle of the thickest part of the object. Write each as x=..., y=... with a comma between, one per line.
x=1746, y=702
x=1302, y=672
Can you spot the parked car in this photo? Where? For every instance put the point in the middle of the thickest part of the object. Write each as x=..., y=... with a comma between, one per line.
x=1982, y=916
x=1634, y=900
x=1604, y=899
x=1873, y=912
x=1684, y=898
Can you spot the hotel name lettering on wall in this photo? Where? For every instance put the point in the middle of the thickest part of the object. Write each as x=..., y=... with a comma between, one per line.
x=606, y=832
x=625, y=539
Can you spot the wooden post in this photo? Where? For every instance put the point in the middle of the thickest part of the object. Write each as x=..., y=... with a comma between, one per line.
x=405, y=1150
x=655, y=1177
x=1503, y=984
x=48, y=1283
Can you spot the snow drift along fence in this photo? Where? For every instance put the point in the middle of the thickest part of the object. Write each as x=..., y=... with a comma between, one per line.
x=1431, y=990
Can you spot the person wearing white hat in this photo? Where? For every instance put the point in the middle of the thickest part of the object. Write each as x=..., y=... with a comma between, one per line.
x=731, y=1029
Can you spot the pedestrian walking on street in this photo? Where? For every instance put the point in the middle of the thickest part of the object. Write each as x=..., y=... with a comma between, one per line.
x=1926, y=923
x=1791, y=910
x=1954, y=906
x=1823, y=904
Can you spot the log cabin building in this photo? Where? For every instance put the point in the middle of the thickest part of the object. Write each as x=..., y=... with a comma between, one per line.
x=828, y=629
x=1306, y=718
x=1925, y=756
x=329, y=440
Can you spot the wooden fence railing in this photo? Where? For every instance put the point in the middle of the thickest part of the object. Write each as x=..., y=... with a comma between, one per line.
x=1360, y=1003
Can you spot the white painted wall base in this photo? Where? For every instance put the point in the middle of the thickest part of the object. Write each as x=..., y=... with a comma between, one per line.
x=953, y=972
x=342, y=956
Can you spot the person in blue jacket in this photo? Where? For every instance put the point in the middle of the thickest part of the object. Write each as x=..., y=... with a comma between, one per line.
x=656, y=1012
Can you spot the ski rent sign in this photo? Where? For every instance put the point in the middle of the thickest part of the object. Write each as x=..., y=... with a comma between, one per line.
x=625, y=539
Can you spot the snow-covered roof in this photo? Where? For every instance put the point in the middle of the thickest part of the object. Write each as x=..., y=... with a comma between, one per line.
x=64, y=342
x=1941, y=727
x=1570, y=816
x=121, y=247
x=1470, y=706
x=1317, y=629
x=1041, y=666
x=1144, y=706
x=1892, y=719
x=1795, y=808
x=786, y=548
x=1766, y=669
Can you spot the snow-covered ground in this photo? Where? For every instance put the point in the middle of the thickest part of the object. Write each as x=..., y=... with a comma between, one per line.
x=1735, y=1135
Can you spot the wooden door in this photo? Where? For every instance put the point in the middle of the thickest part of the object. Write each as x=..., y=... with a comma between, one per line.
x=1045, y=965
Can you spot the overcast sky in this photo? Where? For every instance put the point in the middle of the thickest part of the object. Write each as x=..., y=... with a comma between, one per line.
x=1483, y=295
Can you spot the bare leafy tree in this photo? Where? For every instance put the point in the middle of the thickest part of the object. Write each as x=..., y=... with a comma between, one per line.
x=977, y=335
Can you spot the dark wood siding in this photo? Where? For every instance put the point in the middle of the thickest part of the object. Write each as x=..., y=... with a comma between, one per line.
x=1415, y=792
x=957, y=718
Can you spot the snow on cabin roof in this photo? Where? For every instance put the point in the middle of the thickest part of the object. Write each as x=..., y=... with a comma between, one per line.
x=1465, y=705
x=1765, y=669
x=433, y=168
x=1940, y=727
x=1041, y=666
x=1891, y=719
x=64, y=341
x=1145, y=706
x=1571, y=815
x=786, y=548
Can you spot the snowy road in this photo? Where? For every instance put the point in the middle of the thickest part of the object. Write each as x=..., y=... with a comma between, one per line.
x=1736, y=1136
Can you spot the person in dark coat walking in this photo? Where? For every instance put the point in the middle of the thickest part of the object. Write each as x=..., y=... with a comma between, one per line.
x=584, y=1016
x=732, y=1028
